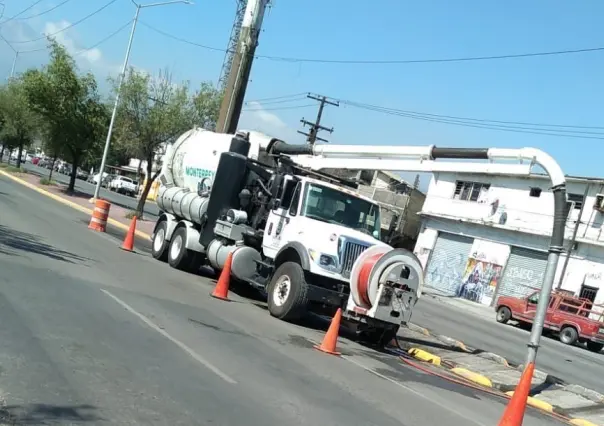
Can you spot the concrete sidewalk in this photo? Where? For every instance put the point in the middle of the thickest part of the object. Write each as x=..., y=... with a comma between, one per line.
x=476, y=309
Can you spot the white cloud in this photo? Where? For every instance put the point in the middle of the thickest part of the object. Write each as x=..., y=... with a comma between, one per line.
x=254, y=117
x=92, y=56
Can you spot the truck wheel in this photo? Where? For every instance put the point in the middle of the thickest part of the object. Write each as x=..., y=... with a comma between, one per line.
x=594, y=347
x=179, y=257
x=569, y=335
x=288, y=293
x=159, y=246
x=503, y=314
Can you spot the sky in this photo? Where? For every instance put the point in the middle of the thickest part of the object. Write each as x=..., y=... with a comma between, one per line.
x=560, y=89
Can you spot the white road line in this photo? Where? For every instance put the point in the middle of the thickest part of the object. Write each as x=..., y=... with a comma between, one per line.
x=177, y=342
x=399, y=384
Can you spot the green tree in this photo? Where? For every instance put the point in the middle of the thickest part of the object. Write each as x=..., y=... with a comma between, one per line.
x=206, y=106
x=152, y=113
x=20, y=122
x=70, y=104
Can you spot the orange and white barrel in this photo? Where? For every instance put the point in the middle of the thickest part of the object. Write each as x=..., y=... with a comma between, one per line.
x=100, y=214
x=375, y=266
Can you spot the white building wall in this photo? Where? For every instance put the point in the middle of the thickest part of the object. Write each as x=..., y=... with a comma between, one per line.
x=528, y=224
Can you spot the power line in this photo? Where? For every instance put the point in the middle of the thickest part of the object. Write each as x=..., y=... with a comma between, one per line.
x=90, y=15
x=279, y=108
x=22, y=12
x=293, y=95
x=385, y=61
x=480, y=120
x=98, y=43
x=44, y=12
x=560, y=130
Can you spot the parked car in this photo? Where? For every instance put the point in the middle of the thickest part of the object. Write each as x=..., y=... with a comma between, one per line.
x=573, y=319
x=123, y=185
x=81, y=174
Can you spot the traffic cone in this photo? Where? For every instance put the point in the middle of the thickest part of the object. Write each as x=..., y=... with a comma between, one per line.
x=514, y=412
x=221, y=291
x=330, y=341
x=128, y=244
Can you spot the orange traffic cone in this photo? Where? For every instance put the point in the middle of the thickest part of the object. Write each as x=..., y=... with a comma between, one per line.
x=221, y=291
x=330, y=341
x=128, y=244
x=514, y=412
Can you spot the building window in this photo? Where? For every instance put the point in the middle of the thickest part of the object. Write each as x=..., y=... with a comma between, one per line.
x=588, y=292
x=470, y=191
x=535, y=192
x=576, y=200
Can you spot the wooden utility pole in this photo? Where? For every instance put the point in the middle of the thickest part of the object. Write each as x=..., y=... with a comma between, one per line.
x=241, y=67
x=315, y=127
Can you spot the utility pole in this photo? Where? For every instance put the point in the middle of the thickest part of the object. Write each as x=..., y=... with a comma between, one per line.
x=315, y=127
x=241, y=67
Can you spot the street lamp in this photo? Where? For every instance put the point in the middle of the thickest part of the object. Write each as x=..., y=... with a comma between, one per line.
x=97, y=190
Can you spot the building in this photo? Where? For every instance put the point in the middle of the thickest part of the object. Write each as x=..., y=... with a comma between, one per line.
x=484, y=236
x=400, y=202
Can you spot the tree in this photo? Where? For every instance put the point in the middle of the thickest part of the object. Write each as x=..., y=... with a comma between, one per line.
x=70, y=104
x=20, y=123
x=152, y=113
x=206, y=106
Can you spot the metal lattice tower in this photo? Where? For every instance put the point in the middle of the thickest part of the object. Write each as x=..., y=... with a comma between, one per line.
x=232, y=46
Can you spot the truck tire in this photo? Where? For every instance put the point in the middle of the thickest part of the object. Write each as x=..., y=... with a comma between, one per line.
x=594, y=346
x=569, y=335
x=179, y=257
x=159, y=245
x=288, y=293
x=503, y=315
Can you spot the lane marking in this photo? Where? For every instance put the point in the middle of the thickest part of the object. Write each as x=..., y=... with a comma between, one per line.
x=177, y=342
x=413, y=391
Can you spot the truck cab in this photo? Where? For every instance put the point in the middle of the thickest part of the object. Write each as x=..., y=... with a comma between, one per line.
x=573, y=319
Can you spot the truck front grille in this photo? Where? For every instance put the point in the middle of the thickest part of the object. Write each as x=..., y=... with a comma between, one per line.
x=350, y=252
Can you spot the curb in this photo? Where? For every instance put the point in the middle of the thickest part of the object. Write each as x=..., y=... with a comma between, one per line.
x=481, y=380
x=71, y=204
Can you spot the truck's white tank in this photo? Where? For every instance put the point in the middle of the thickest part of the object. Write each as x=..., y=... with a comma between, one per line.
x=196, y=153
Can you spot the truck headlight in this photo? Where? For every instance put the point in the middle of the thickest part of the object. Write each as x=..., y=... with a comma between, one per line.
x=325, y=261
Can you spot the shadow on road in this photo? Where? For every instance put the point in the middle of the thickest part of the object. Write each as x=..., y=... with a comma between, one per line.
x=12, y=241
x=43, y=414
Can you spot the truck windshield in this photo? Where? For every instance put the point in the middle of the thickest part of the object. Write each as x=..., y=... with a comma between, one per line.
x=337, y=207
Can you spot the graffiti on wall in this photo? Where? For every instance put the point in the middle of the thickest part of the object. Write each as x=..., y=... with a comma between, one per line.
x=446, y=272
x=480, y=281
x=522, y=281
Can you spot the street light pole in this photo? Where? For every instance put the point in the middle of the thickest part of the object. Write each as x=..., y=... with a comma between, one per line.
x=97, y=189
x=16, y=52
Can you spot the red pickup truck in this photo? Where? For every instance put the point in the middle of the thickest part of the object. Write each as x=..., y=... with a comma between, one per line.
x=572, y=318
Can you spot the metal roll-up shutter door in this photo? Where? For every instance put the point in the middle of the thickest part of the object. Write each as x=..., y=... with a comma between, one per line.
x=523, y=273
x=448, y=261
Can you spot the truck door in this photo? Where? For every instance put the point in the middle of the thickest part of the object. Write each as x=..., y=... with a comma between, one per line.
x=280, y=225
x=531, y=306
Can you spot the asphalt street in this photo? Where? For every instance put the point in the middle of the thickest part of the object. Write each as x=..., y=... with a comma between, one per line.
x=95, y=335
x=151, y=209
x=572, y=364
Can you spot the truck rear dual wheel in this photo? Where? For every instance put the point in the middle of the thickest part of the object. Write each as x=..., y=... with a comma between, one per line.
x=288, y=293
x=379, y=337
x=179, y=256
x=159, y=245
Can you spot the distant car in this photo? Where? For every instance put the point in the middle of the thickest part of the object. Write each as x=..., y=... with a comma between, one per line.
x=123, y=185
x=81, y=174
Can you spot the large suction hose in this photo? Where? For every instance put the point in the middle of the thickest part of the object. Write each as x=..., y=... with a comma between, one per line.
x=380, y=264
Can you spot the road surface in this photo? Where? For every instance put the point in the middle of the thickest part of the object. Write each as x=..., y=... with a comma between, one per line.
x=151, y=209
x=95, y=335
x=572, y=364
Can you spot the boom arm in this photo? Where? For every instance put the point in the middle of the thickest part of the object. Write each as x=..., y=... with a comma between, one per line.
x=423, y=159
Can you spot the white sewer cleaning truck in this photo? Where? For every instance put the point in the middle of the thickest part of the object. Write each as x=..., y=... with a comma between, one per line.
x=305, y=238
